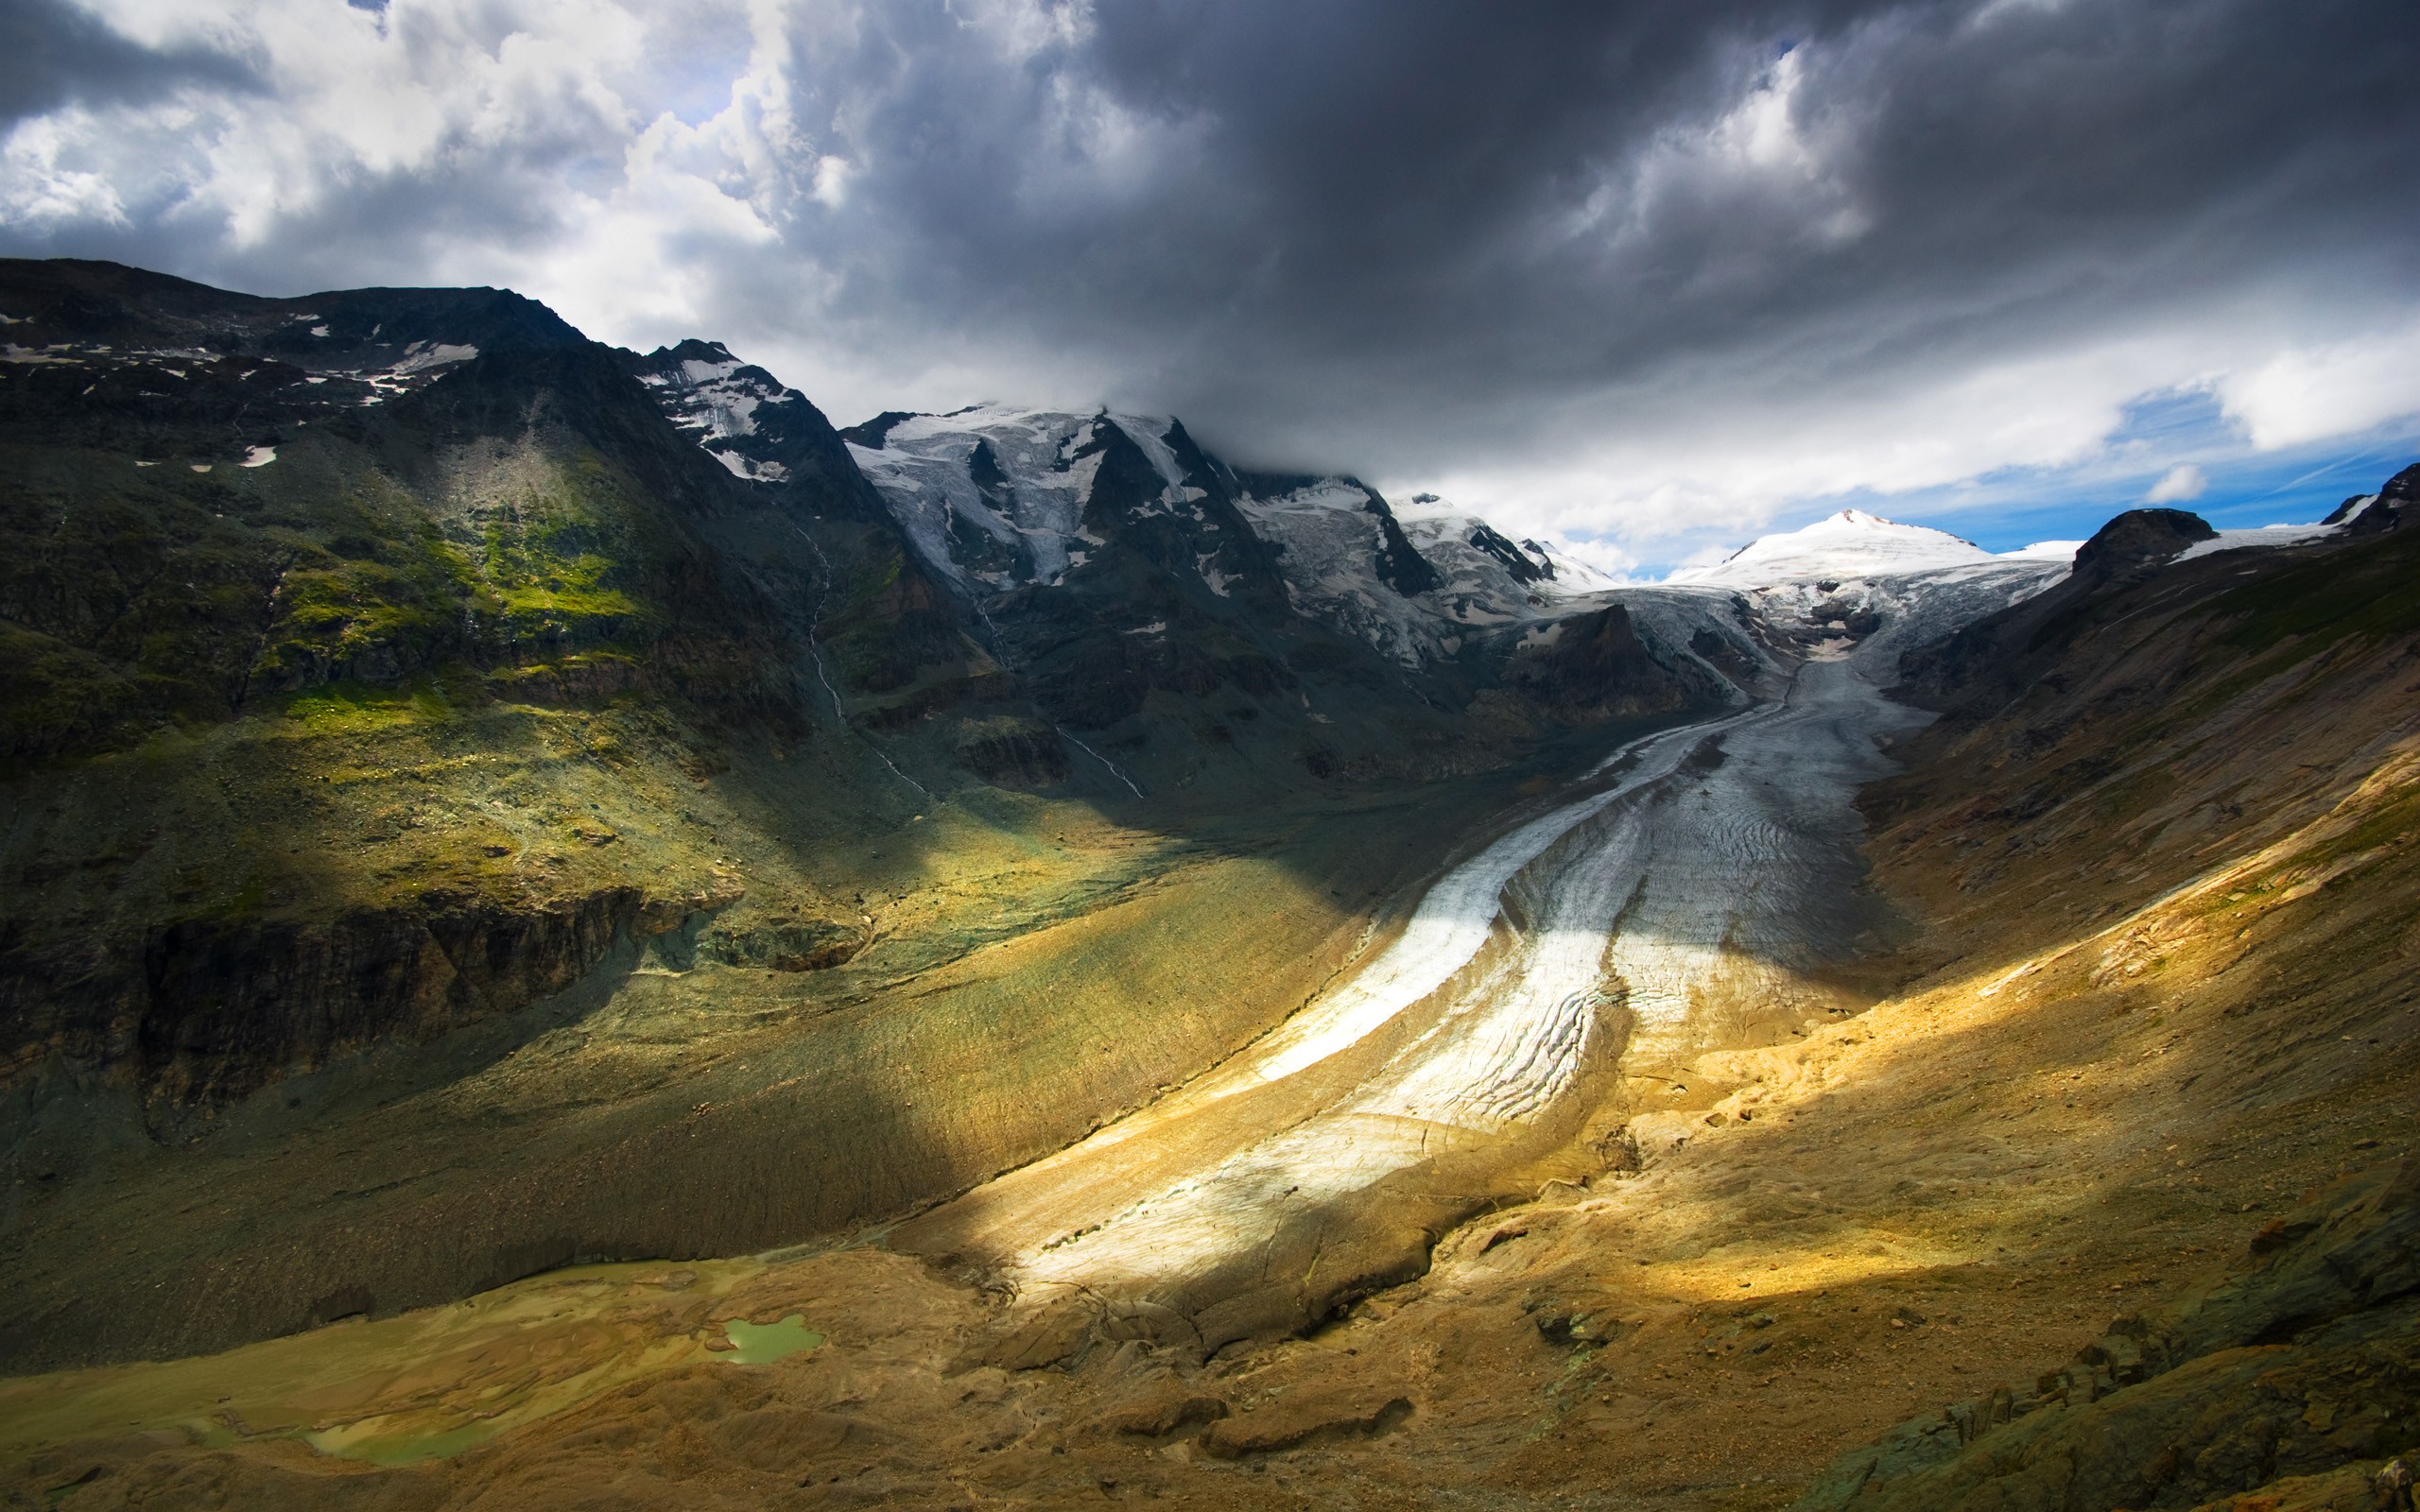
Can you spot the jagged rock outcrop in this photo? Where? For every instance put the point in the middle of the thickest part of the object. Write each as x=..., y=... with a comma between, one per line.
x=2390, y=509
x=1594, y=667
x=1518, y=563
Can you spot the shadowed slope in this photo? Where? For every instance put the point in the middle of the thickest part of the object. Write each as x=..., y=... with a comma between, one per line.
x=448, y=799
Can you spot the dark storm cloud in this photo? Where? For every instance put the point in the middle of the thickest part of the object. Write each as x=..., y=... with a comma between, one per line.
x=1717, y=253
x=1422, y=200
x=53, y=53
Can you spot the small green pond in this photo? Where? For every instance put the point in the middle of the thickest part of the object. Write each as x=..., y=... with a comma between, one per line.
x=763, y=1343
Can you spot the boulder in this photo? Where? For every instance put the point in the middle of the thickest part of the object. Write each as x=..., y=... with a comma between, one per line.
x=1313, y=1415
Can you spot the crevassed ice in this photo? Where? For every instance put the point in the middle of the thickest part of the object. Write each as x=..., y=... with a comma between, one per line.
x=1454, y=920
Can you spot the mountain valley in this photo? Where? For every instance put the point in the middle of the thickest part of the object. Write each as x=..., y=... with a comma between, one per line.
x=578, y=936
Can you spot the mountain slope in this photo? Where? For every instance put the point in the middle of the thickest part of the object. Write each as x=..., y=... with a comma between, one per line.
x=472, y=782
x=259, y=551
x=2161, y=703
x=2169, y=812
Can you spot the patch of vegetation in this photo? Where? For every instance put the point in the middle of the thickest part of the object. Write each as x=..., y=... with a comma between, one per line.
x=550, y=575
x=339, y=616
x=590, y=678
x=359, y=707
x=2373, y=595
x=55, y=697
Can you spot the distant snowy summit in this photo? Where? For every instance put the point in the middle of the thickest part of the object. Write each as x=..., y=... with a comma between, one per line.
x=1857, y=579
x=1853, y=545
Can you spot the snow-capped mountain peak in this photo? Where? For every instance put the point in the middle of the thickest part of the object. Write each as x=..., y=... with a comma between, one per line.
x=722, y=402
x=998, y=496
x=1413, y=580
x=1433, y=520
x=1848, y=544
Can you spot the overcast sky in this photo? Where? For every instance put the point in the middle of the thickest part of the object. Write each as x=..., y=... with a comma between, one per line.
x=1649, y=276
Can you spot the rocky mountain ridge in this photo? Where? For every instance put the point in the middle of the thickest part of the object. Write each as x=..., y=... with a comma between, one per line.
x=240, y=503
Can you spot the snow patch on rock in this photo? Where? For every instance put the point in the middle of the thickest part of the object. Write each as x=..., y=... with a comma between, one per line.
x=2261, y=535
x=426, y=357
x=995, y=497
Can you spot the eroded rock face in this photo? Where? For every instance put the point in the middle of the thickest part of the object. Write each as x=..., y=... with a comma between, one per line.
x=1596, y=668
x=1161, y=1404
x=228, y=1005
x=1344, y=1410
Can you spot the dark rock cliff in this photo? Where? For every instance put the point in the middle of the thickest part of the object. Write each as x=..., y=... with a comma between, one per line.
x=1596, y=668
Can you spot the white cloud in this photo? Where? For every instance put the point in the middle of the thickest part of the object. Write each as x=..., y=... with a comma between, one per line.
x=832, y=179
x=2338, y=388
x=2178, y=484
x=1644, y=466
x=476, y=108
x=40, y=185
